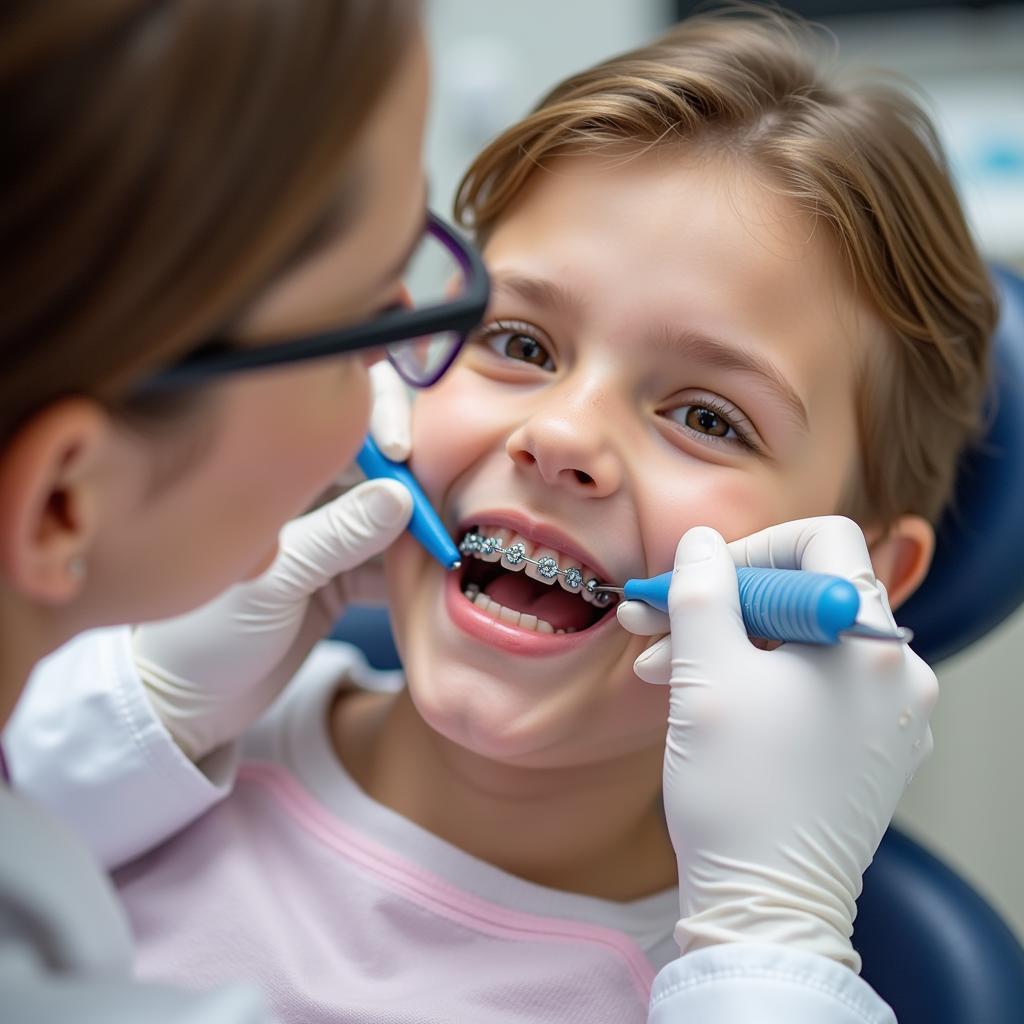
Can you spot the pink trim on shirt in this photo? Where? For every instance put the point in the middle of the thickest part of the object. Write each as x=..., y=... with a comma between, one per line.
x=403, y=875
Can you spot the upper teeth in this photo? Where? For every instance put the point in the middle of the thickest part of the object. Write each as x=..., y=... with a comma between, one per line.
x=511, y=550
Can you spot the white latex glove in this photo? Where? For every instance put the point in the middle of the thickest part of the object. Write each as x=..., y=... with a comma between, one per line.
x=212, y=672
x=782, y=768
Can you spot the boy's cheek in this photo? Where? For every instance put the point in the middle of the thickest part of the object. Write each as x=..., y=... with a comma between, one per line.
x=733, y=503
x=449, y=433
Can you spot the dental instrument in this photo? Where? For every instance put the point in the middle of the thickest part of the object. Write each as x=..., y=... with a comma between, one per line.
x=425, y=524
x=777, y=604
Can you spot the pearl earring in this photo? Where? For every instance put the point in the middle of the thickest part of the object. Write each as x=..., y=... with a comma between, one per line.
x=76, y=567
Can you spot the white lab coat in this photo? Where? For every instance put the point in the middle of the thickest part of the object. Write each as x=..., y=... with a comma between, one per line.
x=65, y=948
x=85, y=742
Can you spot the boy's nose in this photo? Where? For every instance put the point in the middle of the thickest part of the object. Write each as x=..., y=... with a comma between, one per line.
x=566, y=452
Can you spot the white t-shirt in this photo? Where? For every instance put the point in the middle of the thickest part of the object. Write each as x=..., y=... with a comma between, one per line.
x=341, y=906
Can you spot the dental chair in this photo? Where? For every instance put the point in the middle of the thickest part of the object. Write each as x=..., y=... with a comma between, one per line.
x=931, y=946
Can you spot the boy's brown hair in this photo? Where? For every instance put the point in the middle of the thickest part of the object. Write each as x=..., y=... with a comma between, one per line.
x=863, y=158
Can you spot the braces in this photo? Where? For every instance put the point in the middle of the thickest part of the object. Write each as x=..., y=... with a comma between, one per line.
x=477, y=544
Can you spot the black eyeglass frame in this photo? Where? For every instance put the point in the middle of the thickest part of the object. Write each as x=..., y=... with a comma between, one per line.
x=458, y=316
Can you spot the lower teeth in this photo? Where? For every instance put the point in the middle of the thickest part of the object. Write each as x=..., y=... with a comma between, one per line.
x=472, y=593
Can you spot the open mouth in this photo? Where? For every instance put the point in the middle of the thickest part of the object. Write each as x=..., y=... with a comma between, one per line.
x=524, y=584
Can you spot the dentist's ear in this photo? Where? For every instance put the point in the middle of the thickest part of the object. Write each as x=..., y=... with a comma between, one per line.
x=901, y=555
x=50, y=500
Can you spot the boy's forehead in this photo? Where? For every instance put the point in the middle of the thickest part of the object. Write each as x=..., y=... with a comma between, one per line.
x=695, y=243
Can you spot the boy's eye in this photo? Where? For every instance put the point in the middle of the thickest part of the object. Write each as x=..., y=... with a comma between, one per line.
x=511, y=343
x=529, y=350
x=715, y=422
x=706, y=421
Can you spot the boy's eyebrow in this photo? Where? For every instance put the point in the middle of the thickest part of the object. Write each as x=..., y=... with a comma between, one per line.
x=731, y=356
x=537, y=290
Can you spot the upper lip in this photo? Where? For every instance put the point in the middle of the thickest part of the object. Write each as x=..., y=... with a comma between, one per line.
x=542, y=533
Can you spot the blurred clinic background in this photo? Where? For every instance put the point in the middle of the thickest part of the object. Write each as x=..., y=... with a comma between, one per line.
x=494, y=61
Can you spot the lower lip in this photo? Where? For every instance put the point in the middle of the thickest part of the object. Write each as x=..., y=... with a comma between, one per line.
x=503, y=635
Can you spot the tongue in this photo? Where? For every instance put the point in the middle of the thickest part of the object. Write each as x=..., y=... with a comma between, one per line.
x=517, y=591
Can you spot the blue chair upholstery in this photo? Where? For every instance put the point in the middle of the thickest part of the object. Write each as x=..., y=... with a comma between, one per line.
x=931, y=946
x=977, y=577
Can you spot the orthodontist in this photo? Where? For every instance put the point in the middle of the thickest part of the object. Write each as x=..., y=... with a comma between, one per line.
x=207, y=212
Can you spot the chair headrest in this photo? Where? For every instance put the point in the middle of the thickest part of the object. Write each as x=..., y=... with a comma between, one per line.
x=977, y=577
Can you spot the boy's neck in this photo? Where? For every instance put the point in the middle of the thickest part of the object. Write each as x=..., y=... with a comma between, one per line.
x=593, y=829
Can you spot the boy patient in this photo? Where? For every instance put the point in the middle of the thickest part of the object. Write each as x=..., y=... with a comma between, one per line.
x=726, y=292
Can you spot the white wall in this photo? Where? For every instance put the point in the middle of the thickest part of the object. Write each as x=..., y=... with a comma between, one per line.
x=492, y=61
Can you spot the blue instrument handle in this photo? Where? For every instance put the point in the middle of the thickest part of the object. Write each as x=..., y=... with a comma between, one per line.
x=777, y=604
x=425, y=525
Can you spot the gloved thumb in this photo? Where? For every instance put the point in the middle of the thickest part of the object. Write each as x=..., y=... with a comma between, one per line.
x=703, y=601
x=342, y=534
x=655, y=664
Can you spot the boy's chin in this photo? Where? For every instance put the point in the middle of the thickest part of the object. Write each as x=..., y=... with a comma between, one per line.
x=492, y=715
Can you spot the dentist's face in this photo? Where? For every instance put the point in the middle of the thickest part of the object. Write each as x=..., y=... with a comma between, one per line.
x=669, y=344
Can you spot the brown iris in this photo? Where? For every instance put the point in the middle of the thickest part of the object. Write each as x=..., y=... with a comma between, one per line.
x=706, y=421
x=522, y=347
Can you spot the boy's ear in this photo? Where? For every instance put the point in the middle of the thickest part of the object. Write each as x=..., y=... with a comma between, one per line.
x=901, y=556
x=50, y=501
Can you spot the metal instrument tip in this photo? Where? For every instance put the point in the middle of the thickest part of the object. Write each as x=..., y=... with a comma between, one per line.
x=902, y=634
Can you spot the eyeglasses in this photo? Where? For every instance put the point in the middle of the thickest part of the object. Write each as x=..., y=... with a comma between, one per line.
x=446, y=294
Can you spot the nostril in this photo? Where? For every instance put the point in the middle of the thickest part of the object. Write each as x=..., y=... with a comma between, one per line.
x=584, y=478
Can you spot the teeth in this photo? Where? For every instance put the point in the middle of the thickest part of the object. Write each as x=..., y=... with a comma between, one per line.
x=545, y=565
x=515, y=556
x=571, y=578
x=509, y=615
x=492, y=540
x=546, y=569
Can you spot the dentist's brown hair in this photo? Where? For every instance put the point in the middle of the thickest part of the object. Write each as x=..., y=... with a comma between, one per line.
x=861, y=158
x=163, y=159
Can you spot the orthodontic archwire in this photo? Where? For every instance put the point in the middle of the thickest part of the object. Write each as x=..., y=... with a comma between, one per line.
x=547, y=567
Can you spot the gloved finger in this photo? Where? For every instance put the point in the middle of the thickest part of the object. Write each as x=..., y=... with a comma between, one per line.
x=641, y=619
x=341, y=535
x=391, y=412
x=655, y=664
x=830, y=544
x=827, y=544
x=703, y=601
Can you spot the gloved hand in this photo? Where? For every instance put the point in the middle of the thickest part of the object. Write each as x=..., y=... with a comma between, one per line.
x=212, y=672
x=782, y=768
